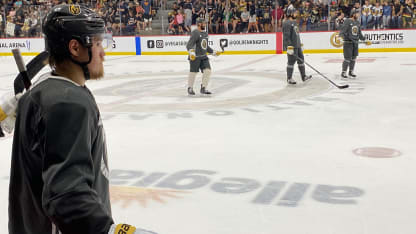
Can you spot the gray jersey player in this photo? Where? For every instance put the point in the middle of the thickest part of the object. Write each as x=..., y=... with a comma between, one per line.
x=293, y=46
x=59, y=177
x=351, y=34
x=198, y=48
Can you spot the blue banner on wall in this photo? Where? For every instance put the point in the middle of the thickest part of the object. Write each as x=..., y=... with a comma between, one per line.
x=138, y=46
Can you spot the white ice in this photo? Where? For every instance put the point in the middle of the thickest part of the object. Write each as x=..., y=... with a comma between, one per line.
x=261, y=157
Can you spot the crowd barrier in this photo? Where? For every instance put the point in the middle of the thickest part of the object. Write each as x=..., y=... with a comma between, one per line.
x=264, y=43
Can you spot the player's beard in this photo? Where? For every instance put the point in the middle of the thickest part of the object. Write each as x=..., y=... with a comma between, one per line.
x=98, y=73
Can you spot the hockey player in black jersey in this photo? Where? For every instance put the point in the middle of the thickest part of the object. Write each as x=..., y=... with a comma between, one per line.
x=59, y=179
x=293, y=47
x=351, y=34
x=198, y=47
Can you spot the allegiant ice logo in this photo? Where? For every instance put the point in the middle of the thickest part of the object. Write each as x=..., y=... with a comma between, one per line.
x=128, y=186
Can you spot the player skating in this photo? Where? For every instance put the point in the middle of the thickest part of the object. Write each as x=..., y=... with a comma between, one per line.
x=293, y=47
x=351, y=34
x=198, y=60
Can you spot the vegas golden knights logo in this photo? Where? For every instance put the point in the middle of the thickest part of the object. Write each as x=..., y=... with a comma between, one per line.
x=74, y=9
x=336, y=40
x=296, y=30
x=354, y=30
x=204, y=44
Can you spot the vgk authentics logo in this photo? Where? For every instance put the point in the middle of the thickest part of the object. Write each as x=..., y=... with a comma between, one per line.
x=129, y=187
x=336, y=40
x=152, y=44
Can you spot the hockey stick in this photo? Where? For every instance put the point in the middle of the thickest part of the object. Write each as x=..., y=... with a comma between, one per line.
x=26, y=73
x=330, y=81
x=22, y=68
x=362, y=42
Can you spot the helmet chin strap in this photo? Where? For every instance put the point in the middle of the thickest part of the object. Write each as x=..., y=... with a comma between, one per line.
x=84, y=65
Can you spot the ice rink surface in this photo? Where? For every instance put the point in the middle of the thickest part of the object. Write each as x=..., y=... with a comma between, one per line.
x=258, y=156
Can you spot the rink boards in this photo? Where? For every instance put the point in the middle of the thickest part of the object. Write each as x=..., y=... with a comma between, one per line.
x=259, y=43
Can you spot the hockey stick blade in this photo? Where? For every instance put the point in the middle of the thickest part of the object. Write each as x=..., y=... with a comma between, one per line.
x=32, y=68
x=342, y=86
x=329, y=80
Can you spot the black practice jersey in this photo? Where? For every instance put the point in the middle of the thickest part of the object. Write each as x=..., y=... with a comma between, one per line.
x=199, y=42
x=351, y=31
x=291, y=34
x=59, y=175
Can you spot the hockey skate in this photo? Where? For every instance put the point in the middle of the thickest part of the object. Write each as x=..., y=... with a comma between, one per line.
x=191, y=91
x=344, y=75
x=352, y=74
x=205, y=91
x=306, y=78
x=291, y=81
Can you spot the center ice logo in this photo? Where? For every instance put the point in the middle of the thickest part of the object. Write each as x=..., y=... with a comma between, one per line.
x=129, y=186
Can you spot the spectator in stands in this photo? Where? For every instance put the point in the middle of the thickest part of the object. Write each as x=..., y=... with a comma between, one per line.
x=305, y=17
x=397, y=14
x=180, y=21
x=245, y=16
x=147, y=14
x=242, y=6
x=227, y=19
x=202, y=13
x=210, y=6
x=366, y=15
x=339, y=21
x=315, y=17
x=181, y=4
x=131, y=23
x=260, y=16
x=414, y=14
x=175, y=7
x=377, y=12
x=267, y=12
x=235, y=19
x=173, y=24
x=19, y=22
x=140, y=21
x=267, y=20
x=345, y=8
x=2, y=22
x=215, y=21
x=387, y=12
x=333, y=15
x=277, y=17
x=252, y=20
x=407, y=14
x=188, y=15
x=34, y=25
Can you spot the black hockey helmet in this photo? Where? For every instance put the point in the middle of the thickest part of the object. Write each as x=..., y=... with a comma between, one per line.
x=67, y=21
x=70, y=21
